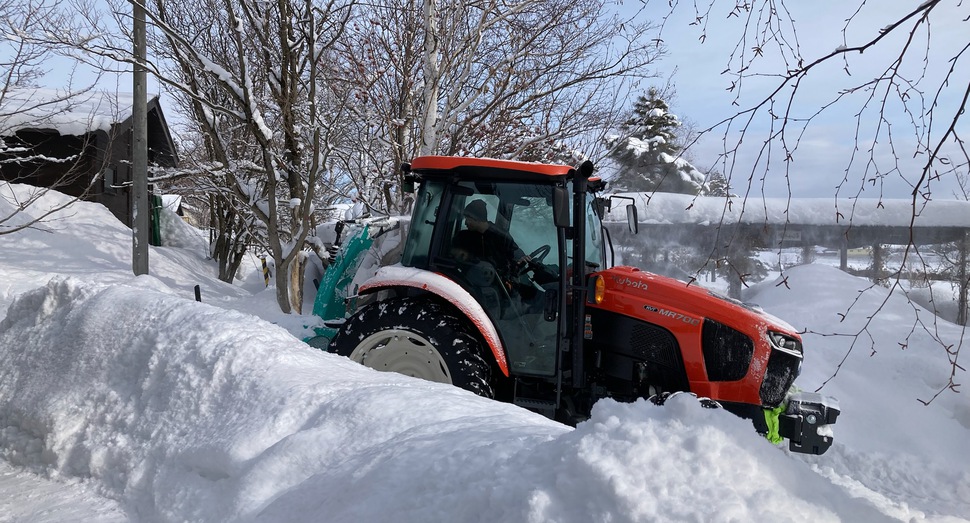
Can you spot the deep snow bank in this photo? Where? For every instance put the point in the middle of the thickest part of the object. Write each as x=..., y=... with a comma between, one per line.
x=882, y=356
x=183, y=411
x=853, y=342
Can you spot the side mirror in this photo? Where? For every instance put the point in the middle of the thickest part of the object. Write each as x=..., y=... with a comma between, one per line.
x=407, y=183
x=631, y=218
x=407, y=187
x=602, y=206
x=560, y=207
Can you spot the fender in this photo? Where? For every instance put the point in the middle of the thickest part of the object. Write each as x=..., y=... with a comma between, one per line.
x=399, y=276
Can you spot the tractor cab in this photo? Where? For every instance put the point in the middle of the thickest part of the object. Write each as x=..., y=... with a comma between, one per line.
x=493, y=230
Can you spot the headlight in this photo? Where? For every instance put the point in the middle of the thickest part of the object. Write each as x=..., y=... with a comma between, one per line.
x=599, y=289
x=785, y=343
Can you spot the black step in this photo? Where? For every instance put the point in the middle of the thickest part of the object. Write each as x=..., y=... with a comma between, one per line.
x=545, y=407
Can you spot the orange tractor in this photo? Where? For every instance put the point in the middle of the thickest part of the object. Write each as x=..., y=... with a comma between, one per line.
x=504, y=288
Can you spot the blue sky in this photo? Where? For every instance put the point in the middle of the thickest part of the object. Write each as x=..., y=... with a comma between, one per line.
x=823, y=155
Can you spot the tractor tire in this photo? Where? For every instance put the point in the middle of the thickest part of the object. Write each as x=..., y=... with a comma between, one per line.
x=419, y=338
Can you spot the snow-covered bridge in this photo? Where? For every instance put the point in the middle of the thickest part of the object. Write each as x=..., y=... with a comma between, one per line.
x=733, y=227
x=781, y=222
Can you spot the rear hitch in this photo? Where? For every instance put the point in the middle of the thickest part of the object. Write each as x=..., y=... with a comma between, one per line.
x=807, y=420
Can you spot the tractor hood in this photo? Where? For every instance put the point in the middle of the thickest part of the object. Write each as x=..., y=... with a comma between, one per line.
x=732, y=352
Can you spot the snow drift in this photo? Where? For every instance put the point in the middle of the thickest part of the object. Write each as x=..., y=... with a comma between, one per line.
x=183, y=411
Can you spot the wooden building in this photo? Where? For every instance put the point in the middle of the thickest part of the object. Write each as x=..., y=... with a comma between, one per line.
x=78, y=144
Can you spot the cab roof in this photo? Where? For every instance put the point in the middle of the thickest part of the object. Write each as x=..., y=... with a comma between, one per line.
x=487, y=166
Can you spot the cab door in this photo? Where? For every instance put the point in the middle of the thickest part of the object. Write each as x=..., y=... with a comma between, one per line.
x=522, y=300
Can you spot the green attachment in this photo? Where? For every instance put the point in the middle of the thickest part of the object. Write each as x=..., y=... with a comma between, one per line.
x=331, y=301
x=772, y=416
x=771, y=420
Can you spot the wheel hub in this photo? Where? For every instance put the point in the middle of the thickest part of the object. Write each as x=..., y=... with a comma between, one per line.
x=404, y=352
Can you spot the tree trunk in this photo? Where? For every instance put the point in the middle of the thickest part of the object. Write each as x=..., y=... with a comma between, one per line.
x=432, y=76
x=282, y=278
x=296, y=283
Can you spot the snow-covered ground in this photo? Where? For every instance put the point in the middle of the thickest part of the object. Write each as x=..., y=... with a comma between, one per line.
x=123, y=399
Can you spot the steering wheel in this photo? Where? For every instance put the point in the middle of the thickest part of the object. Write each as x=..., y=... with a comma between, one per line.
x=540, y=254
x=534, y=261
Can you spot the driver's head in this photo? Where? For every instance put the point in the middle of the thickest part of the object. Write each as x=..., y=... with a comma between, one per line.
x=476, y=216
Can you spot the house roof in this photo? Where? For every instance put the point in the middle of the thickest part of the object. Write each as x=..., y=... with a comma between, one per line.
x=68, y=113
x=79, y=113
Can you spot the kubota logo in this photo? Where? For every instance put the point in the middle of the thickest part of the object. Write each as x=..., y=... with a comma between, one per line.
x=627, y=282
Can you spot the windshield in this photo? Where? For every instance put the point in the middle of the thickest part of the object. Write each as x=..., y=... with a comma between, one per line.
x=520, y=212
x=595, y=251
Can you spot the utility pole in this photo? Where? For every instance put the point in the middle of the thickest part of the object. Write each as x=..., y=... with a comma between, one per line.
x=140, y=223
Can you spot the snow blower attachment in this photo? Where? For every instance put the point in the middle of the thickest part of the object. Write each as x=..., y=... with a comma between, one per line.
x=807, y=422
x=503, y=288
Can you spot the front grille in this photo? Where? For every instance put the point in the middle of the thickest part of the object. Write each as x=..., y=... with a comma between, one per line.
x=727, y=352
x=779, y=376
x=654, y=344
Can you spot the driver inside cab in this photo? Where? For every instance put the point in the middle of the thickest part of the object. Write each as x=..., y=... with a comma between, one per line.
x=481, y=240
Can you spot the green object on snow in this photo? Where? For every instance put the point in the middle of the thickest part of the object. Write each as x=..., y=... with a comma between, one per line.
x=156, y=221
x=771, y=419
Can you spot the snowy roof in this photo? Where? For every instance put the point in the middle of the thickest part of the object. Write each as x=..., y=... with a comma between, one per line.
x=171, y=201
x=69, y=113
x=670, y=208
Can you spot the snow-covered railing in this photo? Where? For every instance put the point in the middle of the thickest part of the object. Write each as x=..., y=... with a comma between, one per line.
x=669, y=208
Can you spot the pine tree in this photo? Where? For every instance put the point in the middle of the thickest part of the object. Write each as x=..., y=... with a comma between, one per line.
x=717, y=184
x=648, y=152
